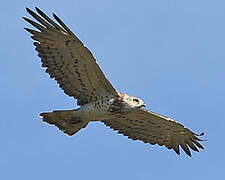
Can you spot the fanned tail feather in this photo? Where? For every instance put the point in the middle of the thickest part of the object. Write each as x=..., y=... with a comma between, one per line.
x=65, y=120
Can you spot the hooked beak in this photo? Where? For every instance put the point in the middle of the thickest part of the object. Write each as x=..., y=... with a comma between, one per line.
x=142, y=106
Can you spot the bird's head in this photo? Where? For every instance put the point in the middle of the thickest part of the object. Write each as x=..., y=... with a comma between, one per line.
x=132, y=102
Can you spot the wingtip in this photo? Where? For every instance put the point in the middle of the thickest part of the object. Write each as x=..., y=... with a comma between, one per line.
x=38, y=10
x=27, y=29
x=201, y=134
x=188, y=153
x=28, y=10
x=177, y=151
x=26, y=19
x=197, y=144
x=55, y=16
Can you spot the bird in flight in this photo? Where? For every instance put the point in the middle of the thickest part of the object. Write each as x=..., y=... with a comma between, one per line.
x=77, y=72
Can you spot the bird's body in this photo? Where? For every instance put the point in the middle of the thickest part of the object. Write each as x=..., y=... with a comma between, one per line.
x=76, y=70
x=70, y=121
x=95, y=111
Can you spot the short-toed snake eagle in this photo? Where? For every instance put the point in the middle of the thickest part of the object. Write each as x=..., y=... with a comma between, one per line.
x=74, y=67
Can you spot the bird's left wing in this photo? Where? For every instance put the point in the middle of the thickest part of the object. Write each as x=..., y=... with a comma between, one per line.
x=68, y=61
x=153, y=128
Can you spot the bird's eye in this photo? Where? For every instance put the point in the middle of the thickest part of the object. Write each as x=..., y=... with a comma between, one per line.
x=136, y=101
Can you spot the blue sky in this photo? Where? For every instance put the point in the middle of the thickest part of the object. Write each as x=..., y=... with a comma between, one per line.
x=168, y=52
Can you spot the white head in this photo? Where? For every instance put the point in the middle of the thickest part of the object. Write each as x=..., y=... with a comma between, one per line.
x=132, y=102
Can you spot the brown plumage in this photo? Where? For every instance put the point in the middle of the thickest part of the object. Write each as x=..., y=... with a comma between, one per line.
x=77, y=72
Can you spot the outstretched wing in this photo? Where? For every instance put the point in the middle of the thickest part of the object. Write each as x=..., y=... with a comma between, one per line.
x=68, y=61
x=154, y=129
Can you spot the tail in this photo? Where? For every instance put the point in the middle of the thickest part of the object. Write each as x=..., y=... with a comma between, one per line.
x=65, y=120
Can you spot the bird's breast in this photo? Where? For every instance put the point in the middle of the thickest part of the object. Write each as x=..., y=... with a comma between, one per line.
x=96, y=111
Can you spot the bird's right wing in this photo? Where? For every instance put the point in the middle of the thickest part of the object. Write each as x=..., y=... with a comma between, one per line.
x=153, y=128
x=68, y=61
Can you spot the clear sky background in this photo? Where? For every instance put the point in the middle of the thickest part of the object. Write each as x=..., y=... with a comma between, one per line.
x=171, y=53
